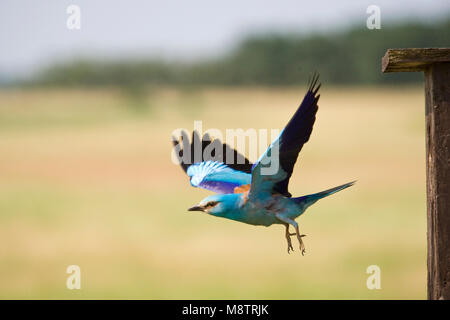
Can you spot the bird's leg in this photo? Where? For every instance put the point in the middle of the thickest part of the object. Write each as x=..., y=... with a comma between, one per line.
x=287, y=221
x=288, y=238
x=299, y=237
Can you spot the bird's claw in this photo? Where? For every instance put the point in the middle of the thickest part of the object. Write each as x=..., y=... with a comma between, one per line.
x=290, y=247
x=302, y=246
x=299, y=237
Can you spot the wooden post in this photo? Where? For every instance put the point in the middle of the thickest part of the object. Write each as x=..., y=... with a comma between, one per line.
x=435, y=63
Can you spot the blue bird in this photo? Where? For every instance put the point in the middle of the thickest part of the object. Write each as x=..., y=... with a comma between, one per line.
x=247, y=192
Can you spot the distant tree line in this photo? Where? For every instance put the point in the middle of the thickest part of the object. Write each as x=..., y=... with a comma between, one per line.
x=348, y=57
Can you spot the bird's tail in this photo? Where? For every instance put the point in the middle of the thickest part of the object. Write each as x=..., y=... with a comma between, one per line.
x=312, y=198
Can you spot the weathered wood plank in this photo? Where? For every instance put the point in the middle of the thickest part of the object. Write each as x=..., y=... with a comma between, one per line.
x=435, y=62
x=437, y=110
x=413, y=59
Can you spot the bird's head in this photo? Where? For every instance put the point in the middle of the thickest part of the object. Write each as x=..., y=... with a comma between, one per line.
x=218, y=204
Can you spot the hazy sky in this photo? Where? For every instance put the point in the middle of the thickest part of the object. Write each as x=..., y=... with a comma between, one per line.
x=33, y=33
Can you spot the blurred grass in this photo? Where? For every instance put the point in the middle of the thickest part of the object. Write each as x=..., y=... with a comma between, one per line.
x=86, y=180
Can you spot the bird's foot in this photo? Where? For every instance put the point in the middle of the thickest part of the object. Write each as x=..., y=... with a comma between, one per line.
x=290, y=247
x=302, y=245
x=299, y=237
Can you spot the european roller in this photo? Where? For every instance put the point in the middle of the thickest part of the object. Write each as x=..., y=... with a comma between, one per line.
x=255, y=194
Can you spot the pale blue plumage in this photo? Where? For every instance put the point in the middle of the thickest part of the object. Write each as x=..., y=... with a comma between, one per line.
x=258, y=194
x=216, y=176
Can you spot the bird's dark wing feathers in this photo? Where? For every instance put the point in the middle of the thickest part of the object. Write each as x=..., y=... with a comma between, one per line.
x=297, y=133
x=291, y=140
x=229, y=156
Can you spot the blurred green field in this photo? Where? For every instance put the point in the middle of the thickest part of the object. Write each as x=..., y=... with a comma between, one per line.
x=86, y=178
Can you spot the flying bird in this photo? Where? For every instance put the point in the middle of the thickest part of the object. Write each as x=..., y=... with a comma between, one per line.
x=251, y=193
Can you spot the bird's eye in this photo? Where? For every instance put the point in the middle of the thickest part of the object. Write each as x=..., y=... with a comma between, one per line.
x=211, y=204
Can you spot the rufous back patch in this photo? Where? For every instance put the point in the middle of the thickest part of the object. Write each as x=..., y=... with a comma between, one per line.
x=242, y=189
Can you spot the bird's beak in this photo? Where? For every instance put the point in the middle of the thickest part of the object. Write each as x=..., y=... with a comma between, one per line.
x=196, y=208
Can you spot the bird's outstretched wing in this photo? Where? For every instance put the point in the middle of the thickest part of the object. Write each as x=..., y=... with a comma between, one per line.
x=272, y=171
x=211, y=164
